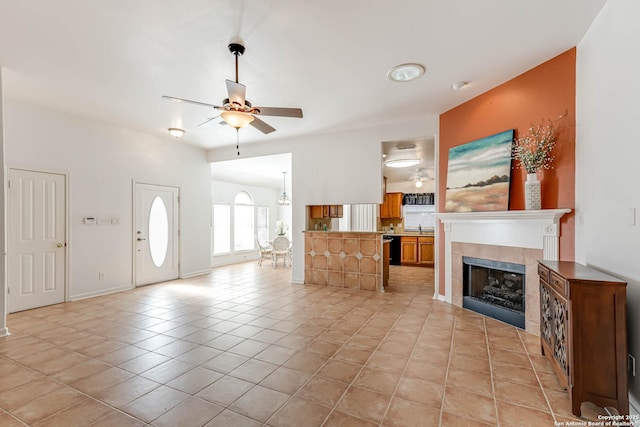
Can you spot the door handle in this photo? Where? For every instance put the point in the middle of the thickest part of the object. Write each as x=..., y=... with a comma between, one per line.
x=141, y=238
x=60, y=245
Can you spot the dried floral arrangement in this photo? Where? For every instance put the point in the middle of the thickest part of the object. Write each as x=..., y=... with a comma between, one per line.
x=534, y=150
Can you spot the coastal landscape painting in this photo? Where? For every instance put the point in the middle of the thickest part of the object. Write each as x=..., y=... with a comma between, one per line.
x=479, y=173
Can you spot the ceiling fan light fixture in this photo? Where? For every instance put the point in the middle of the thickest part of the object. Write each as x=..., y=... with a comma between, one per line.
x=401, y=163
x=177, y=132
x=418, y=183
x=236, y=119
x=406, y=72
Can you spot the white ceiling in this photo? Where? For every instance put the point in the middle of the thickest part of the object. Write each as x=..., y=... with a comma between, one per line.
x=265, y=171
x=112, y=60
x=422, y=149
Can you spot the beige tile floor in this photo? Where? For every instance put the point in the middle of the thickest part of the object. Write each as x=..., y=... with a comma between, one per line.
x=243, y=346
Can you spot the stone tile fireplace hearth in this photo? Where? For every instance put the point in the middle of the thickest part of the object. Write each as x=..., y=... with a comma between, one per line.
x=519, y=237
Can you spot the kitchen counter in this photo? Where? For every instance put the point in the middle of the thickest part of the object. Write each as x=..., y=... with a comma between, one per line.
x=343, y=232
x=411, y=233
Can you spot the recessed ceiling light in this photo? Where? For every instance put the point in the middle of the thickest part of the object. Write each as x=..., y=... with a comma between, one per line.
x=176, y=132
x=405, y=72
x=402, y=163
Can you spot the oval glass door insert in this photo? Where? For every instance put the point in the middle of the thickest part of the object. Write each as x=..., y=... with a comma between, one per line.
x=158, y=231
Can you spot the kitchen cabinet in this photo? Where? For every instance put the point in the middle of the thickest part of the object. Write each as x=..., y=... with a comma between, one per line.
x=409, y=254
x=335, y=211
x=425, y=251
x=325, y=211
x=417, y=250
x=317, y=211
x=583, y=333
x=392, y=206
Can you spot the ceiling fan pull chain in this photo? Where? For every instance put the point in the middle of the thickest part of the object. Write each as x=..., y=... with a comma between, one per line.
x=238, y=141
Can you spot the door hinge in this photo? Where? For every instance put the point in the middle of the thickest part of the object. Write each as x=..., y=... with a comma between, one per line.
x=8, y=184
x=8, y=290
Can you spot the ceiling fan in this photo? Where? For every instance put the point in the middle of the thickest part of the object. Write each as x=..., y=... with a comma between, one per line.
x=236, y=110
x=421, y=176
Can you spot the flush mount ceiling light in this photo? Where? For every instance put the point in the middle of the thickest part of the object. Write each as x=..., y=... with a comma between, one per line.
x=402, y=163
x=177, y=132
x=458, y=85
x=405, y=72
x=284, y=200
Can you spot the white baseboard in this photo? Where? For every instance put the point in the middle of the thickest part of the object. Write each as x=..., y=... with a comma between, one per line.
x=4, y=332
x=439, y=297
x=195, y=274
x=101, y=292
x=634, y=411
x=297, y=280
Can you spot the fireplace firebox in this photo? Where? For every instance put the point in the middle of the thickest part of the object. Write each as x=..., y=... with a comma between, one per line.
x=495, y=289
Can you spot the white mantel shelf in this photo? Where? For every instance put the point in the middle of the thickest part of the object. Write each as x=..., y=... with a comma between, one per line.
x=552, y=215
x=536, y=229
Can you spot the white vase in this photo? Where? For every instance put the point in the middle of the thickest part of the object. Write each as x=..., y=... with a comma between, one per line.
x=532, y=198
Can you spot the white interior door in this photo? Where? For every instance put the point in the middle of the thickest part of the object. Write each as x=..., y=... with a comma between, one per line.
x=36, y=239
x=156, y=233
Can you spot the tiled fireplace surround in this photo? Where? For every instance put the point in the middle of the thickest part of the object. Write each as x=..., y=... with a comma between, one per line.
x=521, y=237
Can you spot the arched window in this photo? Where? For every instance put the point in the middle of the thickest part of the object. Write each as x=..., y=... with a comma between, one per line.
x=243, y=222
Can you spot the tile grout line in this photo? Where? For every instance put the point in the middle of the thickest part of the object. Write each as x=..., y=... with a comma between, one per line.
x=404, y=369
x=325, y=362
x=535, y=372
x=360, y=371
x=493, y=385
x=446, y=376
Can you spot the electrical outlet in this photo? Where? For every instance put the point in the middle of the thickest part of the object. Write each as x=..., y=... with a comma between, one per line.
x=100, y=275
x=631, y=365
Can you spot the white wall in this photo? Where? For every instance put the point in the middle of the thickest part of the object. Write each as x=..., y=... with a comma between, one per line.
x=332, y=169
x=3, y=225
x=607, y=153
x=225, y=192
x=410, y=187
x=102, y=162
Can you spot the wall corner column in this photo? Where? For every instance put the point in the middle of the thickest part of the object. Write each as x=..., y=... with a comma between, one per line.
x=3, y=222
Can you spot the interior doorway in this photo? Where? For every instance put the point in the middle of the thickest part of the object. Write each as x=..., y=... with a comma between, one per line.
x=36, y=237
x=156, y=233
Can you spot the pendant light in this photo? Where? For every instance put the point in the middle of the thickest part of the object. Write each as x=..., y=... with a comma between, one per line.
x=284, y=200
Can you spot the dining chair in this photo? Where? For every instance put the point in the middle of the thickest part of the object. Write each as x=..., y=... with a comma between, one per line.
x=281, y=250
x=264, y=251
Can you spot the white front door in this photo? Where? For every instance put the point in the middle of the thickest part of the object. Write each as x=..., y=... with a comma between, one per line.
x=156, y=234
x=36, y=239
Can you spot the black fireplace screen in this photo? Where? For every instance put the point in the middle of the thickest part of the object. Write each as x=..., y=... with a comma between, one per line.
x=495, y=288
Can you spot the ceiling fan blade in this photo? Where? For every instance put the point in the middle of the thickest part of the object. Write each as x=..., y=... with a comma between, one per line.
x=237, y=92
x=261, y=126
x=207, y=123
x=204, y=104
x=280, y=111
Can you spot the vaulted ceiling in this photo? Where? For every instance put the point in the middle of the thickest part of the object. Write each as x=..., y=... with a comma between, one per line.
x=112, y=60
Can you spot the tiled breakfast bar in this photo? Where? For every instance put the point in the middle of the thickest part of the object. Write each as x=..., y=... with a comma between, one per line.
x=344, y=259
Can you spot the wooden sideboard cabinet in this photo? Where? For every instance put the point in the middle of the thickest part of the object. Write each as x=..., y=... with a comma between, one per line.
x=583, y=332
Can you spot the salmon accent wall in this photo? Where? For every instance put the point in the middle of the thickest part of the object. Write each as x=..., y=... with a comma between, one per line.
x=544, y=92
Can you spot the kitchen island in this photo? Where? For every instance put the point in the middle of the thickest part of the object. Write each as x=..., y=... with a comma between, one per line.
x=351, y=259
